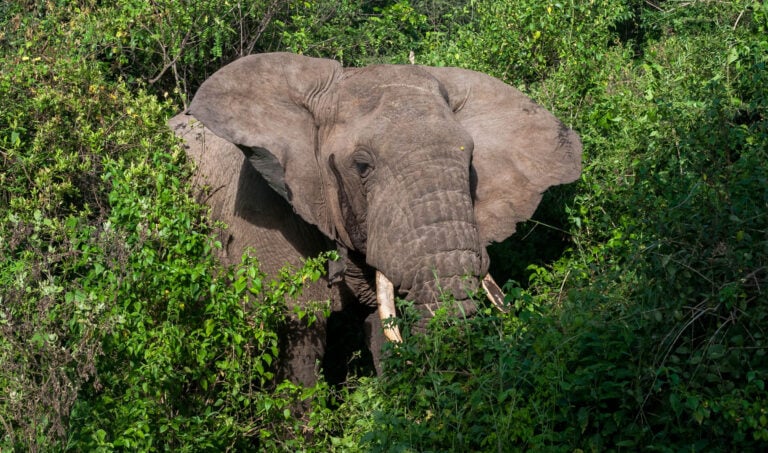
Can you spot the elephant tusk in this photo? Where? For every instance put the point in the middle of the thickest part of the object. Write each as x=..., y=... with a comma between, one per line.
x=385, y=297
x=494, y=293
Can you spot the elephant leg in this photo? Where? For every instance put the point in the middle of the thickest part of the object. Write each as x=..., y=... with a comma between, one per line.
x=347, y=346
x=375, y=339
x=363, y=311
x=303, y=348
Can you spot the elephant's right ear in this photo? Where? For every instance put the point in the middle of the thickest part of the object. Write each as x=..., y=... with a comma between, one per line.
x=264, y=104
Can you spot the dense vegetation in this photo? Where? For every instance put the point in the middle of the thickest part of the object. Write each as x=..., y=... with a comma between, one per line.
x=639, y=293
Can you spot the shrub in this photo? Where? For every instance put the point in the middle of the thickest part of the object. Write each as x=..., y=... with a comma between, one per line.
x=117, y=329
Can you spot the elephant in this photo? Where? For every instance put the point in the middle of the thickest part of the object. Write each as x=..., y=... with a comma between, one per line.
x=409, y=171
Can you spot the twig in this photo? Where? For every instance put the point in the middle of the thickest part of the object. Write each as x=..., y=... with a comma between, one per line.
x=655, y=6
x=172, y=62
x=754, y=276
x=688, y=197
x=560, y=294
x=672, y=344
x=271, y=9
x=736, y=24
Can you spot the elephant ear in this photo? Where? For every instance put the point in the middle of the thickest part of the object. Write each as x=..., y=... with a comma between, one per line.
x=264, y=104
x=520, y=149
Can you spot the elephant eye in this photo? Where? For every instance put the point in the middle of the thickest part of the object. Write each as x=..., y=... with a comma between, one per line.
x=362, y=161
x=363, y=169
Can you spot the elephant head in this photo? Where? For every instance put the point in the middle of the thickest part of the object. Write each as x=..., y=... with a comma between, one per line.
x=411, y=170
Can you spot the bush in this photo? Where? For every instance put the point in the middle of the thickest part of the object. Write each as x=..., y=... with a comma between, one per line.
x=648, y=333
x=117, y=328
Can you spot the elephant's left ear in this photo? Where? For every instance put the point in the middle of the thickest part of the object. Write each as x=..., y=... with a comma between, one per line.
x=520, y=148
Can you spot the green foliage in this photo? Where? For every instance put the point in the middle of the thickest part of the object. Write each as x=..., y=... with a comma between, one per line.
x=671, y=230
x=638, y=322
x=354, y=32
x=524, y=41
x=117, y=328
x=200, y=375
x=648, y=331
x=59, y=123
x=172, y=44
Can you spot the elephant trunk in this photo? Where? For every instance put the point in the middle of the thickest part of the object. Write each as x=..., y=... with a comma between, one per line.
x=427, y=243
x=446, y=276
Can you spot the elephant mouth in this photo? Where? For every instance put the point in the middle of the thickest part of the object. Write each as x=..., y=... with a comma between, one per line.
x=385, y=299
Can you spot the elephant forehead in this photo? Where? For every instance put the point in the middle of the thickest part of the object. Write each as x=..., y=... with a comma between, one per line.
x=370, y=86
x=398, y=127
x=396, y=106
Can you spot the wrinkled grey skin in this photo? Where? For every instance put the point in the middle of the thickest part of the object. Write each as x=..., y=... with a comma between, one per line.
x=408, y=170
